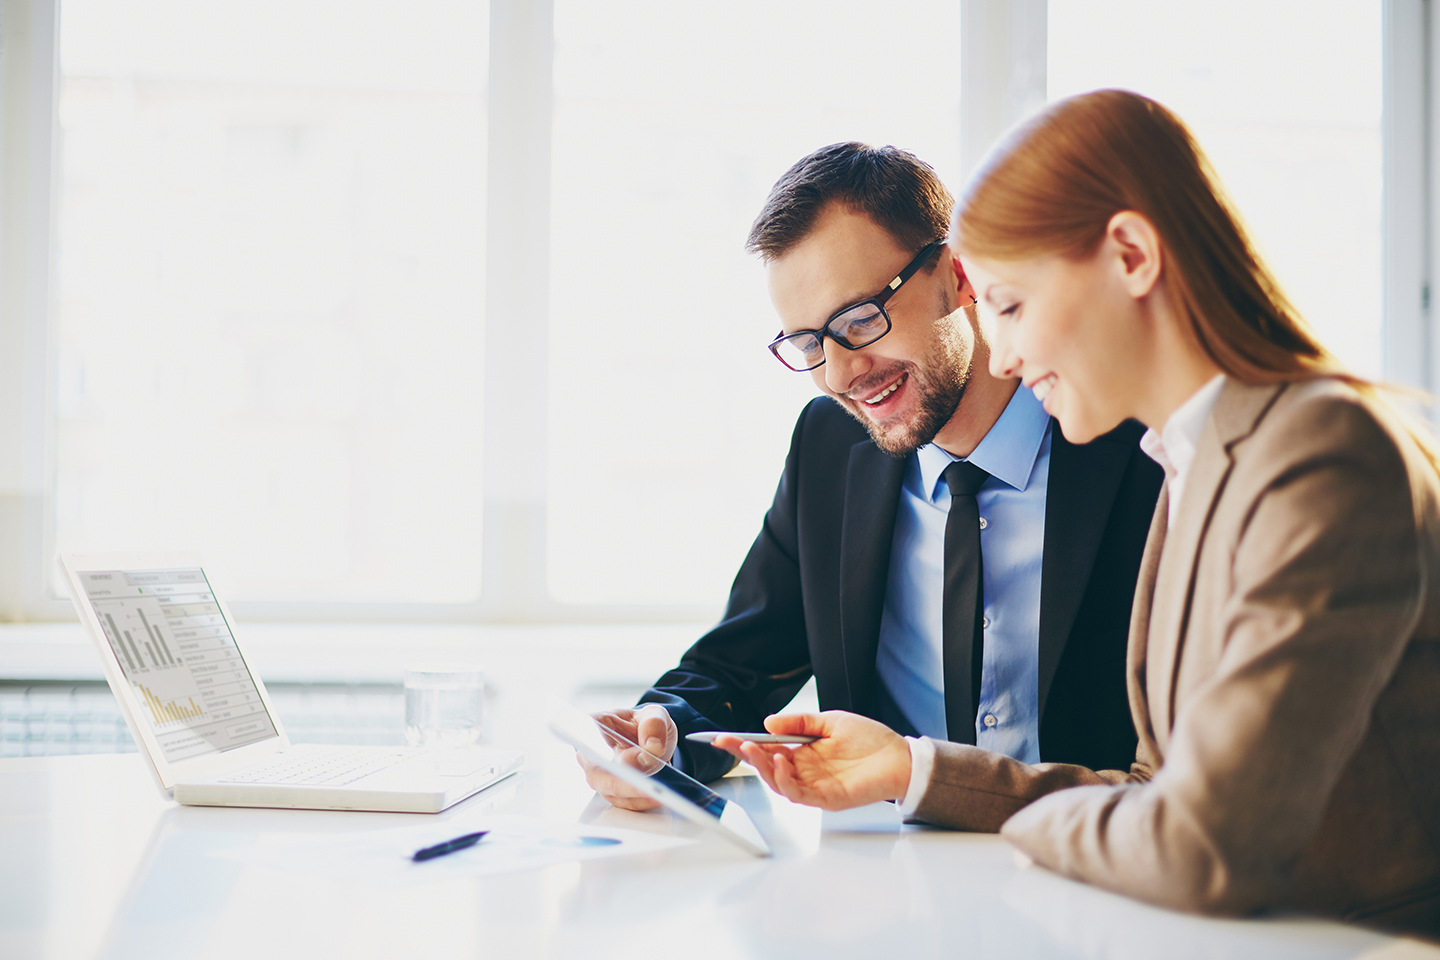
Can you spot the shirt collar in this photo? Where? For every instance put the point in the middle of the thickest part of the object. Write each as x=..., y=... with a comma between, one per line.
x=1174, y=446
x=1007, y=452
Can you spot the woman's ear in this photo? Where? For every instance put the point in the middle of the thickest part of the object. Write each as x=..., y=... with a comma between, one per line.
x=1135, y=240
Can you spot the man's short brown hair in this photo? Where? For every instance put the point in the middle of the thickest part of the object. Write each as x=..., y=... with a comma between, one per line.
x=893, y=187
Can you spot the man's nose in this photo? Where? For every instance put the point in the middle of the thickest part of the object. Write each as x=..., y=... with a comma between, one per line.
x=843, y=367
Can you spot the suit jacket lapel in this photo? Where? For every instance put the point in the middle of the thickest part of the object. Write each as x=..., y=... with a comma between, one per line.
x=1078, y=498
x=1137, y=651
x=872, y=493
x=1237, y=410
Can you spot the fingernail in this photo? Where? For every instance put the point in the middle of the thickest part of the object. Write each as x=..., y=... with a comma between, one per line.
x=654, y=745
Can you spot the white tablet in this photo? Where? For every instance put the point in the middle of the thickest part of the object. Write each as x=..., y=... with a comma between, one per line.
x=666, y=785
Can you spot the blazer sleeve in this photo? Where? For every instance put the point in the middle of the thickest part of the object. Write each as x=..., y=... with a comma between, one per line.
x=971, y=788
x=1324, y=593
x=757, y=658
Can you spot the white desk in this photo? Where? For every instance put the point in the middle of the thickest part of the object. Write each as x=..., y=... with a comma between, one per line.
x=94, y=864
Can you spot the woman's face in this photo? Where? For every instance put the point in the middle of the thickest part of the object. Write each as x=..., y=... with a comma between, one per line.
x=1070, y=330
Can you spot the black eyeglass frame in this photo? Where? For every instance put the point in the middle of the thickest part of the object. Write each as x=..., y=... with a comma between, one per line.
x=880, y=299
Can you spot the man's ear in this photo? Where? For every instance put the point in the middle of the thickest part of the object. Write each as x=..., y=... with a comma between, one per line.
x=1136, y=242
x=967, y=290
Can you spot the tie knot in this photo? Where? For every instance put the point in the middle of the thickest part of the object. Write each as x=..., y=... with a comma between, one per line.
x=964, y=478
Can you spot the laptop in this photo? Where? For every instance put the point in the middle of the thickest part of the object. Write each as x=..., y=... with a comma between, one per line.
x=200, y=714
x=670, y=787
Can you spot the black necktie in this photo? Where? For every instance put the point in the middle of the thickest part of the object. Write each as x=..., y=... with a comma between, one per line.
x=963, y=638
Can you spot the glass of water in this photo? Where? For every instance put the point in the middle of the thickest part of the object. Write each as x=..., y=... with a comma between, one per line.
x=444, y=705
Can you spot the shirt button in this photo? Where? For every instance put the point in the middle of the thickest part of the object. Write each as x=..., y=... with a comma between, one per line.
x=990, y=720
x=983, y=523
x=984, y=623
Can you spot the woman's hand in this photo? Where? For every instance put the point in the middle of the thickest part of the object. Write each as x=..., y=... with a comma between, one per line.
x=856, y=761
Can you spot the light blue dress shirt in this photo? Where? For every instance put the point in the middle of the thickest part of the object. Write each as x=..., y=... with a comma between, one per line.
x=1016, y=454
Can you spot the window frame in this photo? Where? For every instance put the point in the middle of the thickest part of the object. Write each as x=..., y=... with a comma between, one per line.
x=1409, y=213
x=1003, y=77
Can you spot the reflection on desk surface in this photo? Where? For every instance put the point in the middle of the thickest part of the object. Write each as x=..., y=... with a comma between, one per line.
x=96, y=865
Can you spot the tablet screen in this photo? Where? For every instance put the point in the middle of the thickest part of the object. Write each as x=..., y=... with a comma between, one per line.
x=676, y=790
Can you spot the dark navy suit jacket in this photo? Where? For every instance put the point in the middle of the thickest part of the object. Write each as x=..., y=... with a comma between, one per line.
x=808, y=598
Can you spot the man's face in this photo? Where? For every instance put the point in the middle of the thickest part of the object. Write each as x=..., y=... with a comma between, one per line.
x=906, y=386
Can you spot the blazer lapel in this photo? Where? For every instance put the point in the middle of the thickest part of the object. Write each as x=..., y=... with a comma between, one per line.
x=1237, y=410
x=1137, y=650
x=1078, y=497
x=872, y=493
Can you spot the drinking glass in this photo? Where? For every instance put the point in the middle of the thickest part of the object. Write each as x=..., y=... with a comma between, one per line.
x=444, y=705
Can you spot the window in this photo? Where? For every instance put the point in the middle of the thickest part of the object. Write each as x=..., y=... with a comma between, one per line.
x=270, y=307
x=270, y=290
x=1285, y=97
x=669, y=420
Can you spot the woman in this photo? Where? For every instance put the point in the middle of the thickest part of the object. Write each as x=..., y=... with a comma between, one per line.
x=1284, y=663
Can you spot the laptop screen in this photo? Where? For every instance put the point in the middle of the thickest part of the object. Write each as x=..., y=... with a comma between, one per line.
x=180, y=660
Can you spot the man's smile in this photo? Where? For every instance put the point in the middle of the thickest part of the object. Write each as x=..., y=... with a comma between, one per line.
x=877, y=400
x=886, y=392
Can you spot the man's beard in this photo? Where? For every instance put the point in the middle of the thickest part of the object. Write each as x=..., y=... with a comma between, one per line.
x=939, y=383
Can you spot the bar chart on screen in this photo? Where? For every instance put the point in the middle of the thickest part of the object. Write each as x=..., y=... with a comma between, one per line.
x=175, y=648
x=169, y=711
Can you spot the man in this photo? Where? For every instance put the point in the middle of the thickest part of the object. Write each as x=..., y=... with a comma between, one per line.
x=985, y=603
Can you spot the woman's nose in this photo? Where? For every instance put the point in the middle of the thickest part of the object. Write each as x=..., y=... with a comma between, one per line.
x=1004, y=362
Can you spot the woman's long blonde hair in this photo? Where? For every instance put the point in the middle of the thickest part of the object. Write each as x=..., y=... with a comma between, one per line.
x=1054, y=183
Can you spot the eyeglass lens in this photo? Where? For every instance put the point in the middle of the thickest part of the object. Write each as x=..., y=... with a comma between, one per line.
x=856, y=327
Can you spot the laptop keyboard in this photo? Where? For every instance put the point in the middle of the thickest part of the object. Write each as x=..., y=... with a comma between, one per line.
x=55, y=718
x=318, y=768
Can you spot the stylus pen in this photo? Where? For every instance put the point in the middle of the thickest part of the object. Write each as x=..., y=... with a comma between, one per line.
x=449, y=846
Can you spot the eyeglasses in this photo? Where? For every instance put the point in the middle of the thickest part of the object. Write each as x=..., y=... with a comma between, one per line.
x=853, y=327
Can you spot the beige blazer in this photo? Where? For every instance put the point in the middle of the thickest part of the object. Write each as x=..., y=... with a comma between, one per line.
x=1284, y=677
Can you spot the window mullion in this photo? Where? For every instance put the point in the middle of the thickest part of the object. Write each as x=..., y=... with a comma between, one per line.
x=1003, y=70
x=28, y=71
x=1406, y=335
x=517, y=307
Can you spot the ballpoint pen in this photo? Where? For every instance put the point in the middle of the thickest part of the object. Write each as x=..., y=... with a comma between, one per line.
x=449, y=846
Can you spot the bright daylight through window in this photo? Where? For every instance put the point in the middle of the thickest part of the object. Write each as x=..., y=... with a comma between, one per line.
x=669, y=419
x=271, y=247
x=270, y=290
x=1296, y=138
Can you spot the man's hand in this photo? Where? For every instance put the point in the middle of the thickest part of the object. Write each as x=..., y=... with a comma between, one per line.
x=651, y=727
x=856, y=761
